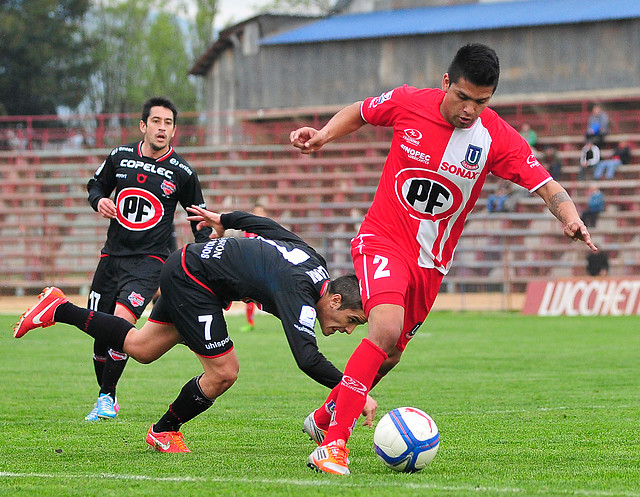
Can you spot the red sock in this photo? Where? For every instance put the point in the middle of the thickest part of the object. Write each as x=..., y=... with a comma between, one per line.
x=322, y=416
x=356, y=382
x=250, y=308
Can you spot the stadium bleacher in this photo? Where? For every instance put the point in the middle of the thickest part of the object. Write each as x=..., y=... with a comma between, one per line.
x=50, y=235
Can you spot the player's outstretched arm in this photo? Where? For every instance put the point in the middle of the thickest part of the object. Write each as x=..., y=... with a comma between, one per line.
x=563, y=208
x=346, y=121
x=206, y=218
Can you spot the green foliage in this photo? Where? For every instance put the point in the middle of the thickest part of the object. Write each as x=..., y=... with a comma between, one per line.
x=142, y=52
x=203, y=34
x=166, y=74
x=526, y=406
x=45, y=57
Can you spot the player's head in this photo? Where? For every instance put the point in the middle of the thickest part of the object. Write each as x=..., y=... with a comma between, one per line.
x=159, y=102
x=348, y=288
x=158, y=124
x=259, y=210
x=340, y=308
x=469, y=84
x=477, y=63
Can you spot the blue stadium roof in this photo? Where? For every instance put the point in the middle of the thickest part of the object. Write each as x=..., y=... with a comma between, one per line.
x=461, y=17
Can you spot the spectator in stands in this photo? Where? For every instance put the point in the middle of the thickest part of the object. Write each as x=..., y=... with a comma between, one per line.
x=76, y=140
x=250, y=308
x=495, y=201
x=597, y=126
x=589, y=157
x=506, y=197
x=551, y=159
x=16, y=138
x=595, y=205
x=530, y=136
x=598, y=263
x=621, y=155
x=149, y=179
x=446, y=140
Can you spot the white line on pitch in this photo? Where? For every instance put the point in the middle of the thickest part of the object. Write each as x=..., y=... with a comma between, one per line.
x=312, y=482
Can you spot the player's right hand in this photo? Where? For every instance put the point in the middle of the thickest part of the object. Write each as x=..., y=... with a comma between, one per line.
x=107, y=208
x=306, y=139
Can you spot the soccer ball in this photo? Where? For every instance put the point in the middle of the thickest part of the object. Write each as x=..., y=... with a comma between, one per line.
x=406, y=439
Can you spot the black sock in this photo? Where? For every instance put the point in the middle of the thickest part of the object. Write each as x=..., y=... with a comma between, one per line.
x=113, y=369
x=101, y=326
x=98, y=367
x=190, y=402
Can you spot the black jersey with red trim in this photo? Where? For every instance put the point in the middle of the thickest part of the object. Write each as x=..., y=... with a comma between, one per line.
x=147, y=192
x=276, y=269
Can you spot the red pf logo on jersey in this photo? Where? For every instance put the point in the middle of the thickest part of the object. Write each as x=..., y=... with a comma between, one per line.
x=138, y=209
x=426, y=194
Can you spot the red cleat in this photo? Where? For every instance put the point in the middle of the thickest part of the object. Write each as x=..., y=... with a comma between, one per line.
x=166, y=441
x=41, y=314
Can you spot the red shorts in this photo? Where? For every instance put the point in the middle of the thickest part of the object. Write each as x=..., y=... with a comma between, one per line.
x=386, y=277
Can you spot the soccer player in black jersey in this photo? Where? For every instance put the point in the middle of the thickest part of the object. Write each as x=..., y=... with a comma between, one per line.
x=276, y=269
x=149, y=179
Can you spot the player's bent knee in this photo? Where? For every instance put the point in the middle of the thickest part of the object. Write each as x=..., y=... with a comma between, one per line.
x=390, y=362
x=143, y=358
x=143, y=354
x=215, y=385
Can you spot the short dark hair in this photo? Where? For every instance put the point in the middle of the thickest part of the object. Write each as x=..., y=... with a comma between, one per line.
x=349, y=289
x=159, y=102
x=477, y=63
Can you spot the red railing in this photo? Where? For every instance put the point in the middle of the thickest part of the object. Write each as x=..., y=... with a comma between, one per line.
x=568, y=117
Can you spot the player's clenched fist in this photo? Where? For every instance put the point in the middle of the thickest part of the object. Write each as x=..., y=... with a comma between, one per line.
x=306, y=139
x=107, y=208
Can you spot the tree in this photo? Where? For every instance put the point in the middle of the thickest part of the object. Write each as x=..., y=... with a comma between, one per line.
x=45, y=57
x=145, y=49
x=204, y=27
x=169, y=63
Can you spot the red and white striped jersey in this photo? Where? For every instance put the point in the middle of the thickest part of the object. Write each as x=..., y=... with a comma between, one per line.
x=434, y=172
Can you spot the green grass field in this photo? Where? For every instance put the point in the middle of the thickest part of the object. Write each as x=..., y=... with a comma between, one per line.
x=525, y=406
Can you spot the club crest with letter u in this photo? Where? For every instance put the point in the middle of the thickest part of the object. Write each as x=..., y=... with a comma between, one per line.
x=472, y=157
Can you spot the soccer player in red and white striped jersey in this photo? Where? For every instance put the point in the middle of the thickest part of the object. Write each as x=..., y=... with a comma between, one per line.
x=445, y=142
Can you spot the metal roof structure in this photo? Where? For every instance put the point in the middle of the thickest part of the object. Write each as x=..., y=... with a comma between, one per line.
x=455, y=18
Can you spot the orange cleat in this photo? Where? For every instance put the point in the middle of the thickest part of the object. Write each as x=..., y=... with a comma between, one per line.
x=166, y=441
x=42, y=313
x=331, y=458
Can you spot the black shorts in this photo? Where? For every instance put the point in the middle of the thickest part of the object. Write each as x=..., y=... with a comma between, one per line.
x=193, y=309
x=131, y=281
